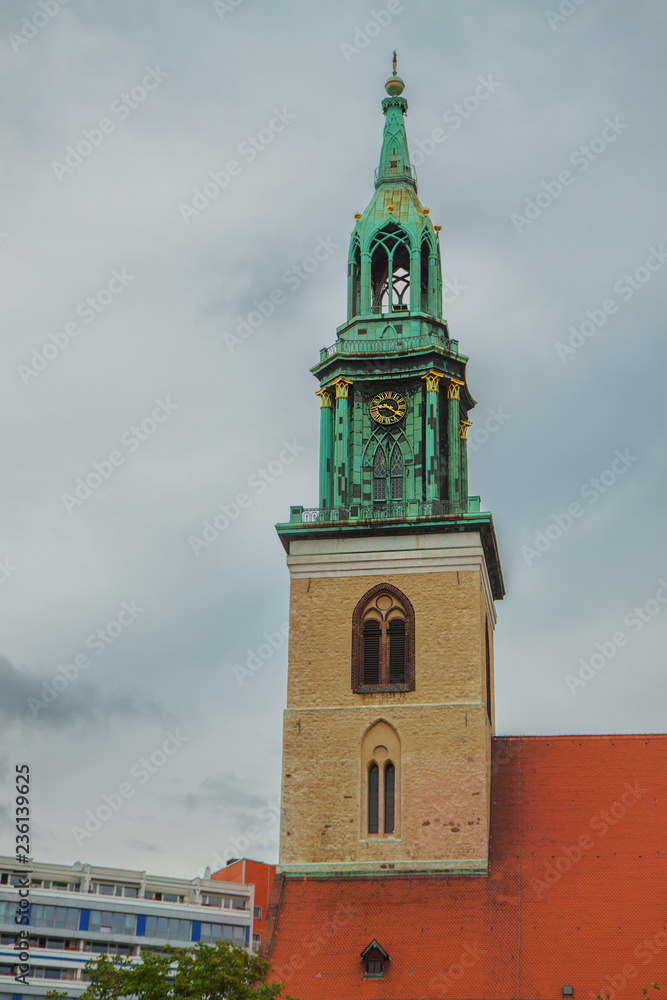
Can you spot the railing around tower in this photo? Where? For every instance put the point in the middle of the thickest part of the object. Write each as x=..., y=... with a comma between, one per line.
x=389, y=345
x=373, y=512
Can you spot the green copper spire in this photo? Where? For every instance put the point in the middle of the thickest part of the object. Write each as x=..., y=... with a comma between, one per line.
x=395, y=158
x=394, y=396
x=394, y=261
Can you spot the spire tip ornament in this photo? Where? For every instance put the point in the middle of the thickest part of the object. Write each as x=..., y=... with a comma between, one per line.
x=394, y=85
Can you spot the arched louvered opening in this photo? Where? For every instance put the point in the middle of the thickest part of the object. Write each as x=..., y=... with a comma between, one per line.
x=379, y=279
x=383, y=641
x=373, y=798
x=389, y=796
x=372, y=639
x=390, y=271
x=380, y=475
x=426, y=251
x=396, y=651
x=354, y=281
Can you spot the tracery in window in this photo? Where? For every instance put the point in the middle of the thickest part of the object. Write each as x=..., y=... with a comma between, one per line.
x=388, y=477
x=383, y=641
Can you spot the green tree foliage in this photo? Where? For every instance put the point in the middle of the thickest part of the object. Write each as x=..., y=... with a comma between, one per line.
x=205, y=972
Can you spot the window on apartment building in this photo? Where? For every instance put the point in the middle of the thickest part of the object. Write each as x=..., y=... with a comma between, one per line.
x=4, y=878
x=54, y=943
x=233, y=933
x=109, y=889
x=383, y=641
x=6, y=970
x=210, y=933
x=107, y=948
x=170, y=928
x=209, y=900
x=54, y=916
x=112, y=923
x=39, y=883
x=256, y=941
x=43, y=973
x=257, y=912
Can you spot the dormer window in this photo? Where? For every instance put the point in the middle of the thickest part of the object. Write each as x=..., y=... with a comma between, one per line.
x=374, y=959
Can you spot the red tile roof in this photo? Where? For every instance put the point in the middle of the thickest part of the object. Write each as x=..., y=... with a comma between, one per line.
x=576, y=894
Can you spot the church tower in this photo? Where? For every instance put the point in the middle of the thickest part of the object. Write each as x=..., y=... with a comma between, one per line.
x=389, y=719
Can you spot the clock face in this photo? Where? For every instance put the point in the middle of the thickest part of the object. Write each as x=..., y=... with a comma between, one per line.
x=388, y=407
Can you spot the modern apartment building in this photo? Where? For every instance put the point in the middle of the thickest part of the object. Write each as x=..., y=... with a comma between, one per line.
x=258, y=874
x=81, y=911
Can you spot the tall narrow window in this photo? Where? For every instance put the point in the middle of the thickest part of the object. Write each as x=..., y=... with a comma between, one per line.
x=389, y=797
x=383, y=641
x=396, y=637
x=372, y=637
x=373, y=798
x=396, y=474
x=380, y=475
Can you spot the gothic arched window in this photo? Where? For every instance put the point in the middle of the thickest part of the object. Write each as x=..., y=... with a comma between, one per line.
x=396, y=474
x=373, y=798
x=389, y=796
x=380, y=475
x=381, y=782
x=387, y=477
x=383, y=642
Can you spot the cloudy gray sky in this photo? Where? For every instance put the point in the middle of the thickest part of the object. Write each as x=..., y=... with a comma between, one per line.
x=123, y=297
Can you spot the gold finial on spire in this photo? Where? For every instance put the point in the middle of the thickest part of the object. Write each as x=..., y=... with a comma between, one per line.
x=394, y=85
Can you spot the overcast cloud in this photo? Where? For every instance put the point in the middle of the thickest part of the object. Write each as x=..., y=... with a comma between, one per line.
x=132, y=296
